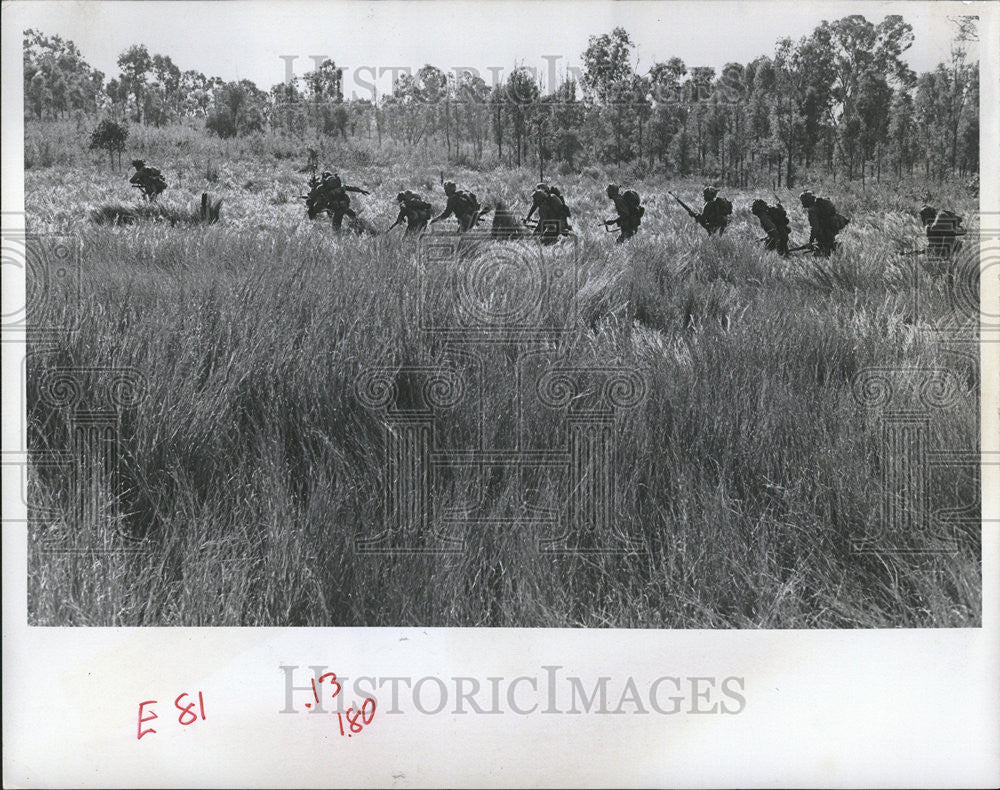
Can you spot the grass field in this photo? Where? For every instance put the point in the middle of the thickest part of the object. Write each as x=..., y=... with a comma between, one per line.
x=248, y=467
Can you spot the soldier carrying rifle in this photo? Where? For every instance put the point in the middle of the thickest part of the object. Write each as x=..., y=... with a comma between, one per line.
x=774, y=222
x=553, y=214
x=463, y=205
x=824, y=224
x=627, y=205
x=329, y=194
x=943, y=231
x=714, y=217
x=414, y=210
x=147, y=180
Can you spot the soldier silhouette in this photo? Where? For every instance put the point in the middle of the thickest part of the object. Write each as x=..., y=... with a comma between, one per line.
x=147, y=180
x=824, y=222
x=629, y=209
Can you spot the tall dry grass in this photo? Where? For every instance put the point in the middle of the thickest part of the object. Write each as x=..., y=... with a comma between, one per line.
x=249, y=469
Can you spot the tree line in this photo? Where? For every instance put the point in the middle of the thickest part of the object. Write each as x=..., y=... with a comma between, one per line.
x=840, y=101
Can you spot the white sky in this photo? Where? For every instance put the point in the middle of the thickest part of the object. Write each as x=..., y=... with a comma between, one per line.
x=234, y=39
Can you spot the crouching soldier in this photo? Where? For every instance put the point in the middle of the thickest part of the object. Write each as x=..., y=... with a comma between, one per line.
x=414, y=210
x=329, y=194
x=147, y=180
x=824, y=222
x=944, y=229
x=715, y=214
x=629, y=210
x=774, y=222
x=463, y=205
x=553, y=214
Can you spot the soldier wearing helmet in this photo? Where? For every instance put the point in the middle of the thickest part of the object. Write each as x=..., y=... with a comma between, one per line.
x=943, y=231
x=147, y=180
x=414, y=210
x=824, y=222
x=715, y=214
x=774, y=221
x=629, y=210
x=463, y=205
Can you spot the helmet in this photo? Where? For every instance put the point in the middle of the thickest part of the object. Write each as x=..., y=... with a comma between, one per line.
x=449, y=187
x=807, y=198
x=401, y=197
x=613, y=189
x=138, y=164
x=542, y=186
x=710, y=192
x=927, y=214
x=758, y=206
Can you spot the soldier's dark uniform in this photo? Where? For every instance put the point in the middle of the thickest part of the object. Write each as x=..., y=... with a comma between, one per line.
x=147, y=180
x=561, y=209
x=715, y=214
x=462, y=205
x=334, y=198
x=414, y=210
x=552, y=214
x=824, y=222
x=943, y=231
x=629, y=215
x=538, y=197
x=774, y=222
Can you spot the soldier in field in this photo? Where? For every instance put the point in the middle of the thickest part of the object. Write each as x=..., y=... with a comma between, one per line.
x=553, y=214
x=774, y=221
x=329, y=194
x=824, y=222
x=463, y=205
x=414, y=210
x=944, y=229
x=147, y=180
x=714, y=216
x=629, y=209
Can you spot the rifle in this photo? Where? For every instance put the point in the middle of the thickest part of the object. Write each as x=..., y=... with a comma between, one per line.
x=811, y=246
x=913, y=252
x=694, y=215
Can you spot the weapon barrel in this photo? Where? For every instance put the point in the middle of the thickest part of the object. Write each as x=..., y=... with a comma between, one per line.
x=802, y=247
x=684, y=205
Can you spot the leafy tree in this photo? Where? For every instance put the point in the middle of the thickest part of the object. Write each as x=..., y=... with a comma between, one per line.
x=238, y=109
x=57, y=80
x=135, y=64
x=109, y=136
x=607, y=64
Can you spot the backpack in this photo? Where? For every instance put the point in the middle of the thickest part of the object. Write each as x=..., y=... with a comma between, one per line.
x=948, y=221
x=631, y=199
x=467, y=201
x=840, y=222
x=418, y=210
x=779, y=217
x=725, y=206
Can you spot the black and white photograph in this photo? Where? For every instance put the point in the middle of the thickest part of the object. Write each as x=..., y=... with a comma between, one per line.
x=608, y=339
x=641, y=317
